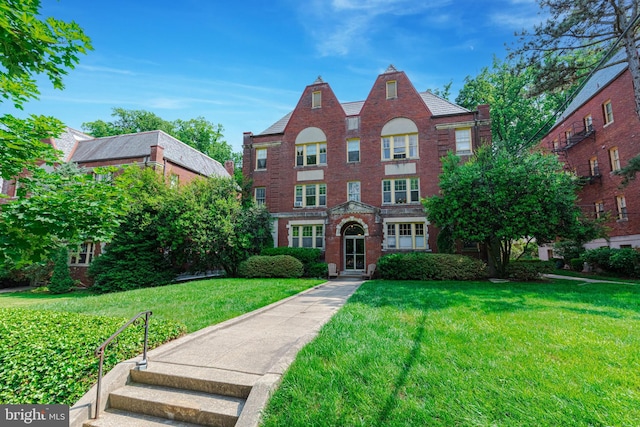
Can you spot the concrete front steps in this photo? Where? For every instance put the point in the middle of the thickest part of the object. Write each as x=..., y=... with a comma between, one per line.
x=177, y=395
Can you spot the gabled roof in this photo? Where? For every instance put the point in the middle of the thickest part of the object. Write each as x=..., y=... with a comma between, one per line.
x=68, y=140
x=437, y=105
x=138, y=145
x=600, y=79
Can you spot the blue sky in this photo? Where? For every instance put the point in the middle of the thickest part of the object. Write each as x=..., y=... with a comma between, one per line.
x=244, y=64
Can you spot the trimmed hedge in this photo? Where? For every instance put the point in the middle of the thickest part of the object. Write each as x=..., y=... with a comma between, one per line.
x=527, y=270
x=624, y=261
x=48, y=357
x=271, y=266
x=309, y=258
x=428, y=266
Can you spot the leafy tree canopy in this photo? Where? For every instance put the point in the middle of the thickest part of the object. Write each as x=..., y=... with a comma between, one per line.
x=499, y=196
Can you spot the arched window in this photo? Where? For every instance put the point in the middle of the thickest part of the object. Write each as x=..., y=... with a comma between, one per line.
x=311, y=147
x=399, y=139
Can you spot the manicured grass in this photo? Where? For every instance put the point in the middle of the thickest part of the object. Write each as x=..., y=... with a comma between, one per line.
x=196, y=304
x=470, y=354
x=601, y=276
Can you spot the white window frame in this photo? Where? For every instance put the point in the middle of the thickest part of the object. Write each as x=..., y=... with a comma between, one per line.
x=82, y=255
x=392, y=89
x=405, y=235
x=320, y=154
x=593, y=166
x=391, y=193
x=261, y=158
x=599, y=208
x=174, y=180
x=399, y=147
x=621, y=205
x=306, y=192
x=353, y=191
x=463, y=141
x=260, y=199
x=614, y=157
x=588, y=123
x=607, y=111
x=352, y=144
x=306, y=234
x=316, y=99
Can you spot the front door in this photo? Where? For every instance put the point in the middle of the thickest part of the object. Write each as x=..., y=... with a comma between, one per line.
x=354, y=248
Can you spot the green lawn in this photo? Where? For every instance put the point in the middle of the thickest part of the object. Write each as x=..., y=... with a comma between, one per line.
x=196, y=304
x=558, y=353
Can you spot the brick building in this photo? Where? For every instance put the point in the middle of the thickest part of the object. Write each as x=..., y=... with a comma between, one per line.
x=348, y=177
x=596, y=135
x=175, y=159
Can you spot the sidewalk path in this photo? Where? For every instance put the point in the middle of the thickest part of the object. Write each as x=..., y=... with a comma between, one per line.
x=587, y=280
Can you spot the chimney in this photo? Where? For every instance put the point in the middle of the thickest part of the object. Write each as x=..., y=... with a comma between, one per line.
x=229, y=166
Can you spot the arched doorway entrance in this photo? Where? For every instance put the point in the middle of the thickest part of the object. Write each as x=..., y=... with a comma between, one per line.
x=354, y=248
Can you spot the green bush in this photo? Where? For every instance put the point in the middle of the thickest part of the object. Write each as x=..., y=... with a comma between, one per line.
x=625, y=262
x=61, y=281
x=317, y=270
x=576, y=264
x=307, y=256
x=427, y=266
x=48, y=357
x=271, y=266
x=598, y=258
x=523, y=271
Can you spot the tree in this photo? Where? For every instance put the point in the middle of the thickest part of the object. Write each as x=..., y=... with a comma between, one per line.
x=498, y=197
x=198, y=133
x=515, y=111
x=30, y=46
x=567, y=46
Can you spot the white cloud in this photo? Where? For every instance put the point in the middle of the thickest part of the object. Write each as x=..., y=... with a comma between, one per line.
x=105, y=69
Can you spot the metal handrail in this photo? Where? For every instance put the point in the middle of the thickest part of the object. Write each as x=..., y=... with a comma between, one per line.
x=141, y=365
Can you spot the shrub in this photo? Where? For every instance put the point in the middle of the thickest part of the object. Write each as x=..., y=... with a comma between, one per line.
x=61, y=280
x=271, y=266
x=317, y=270
x=576, y=264
x=598, y=258
x=427, y=266
x=307, y=256
x=624, y=261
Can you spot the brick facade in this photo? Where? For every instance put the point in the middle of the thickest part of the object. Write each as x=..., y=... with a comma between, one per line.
x=356, y=231
x=588, y=134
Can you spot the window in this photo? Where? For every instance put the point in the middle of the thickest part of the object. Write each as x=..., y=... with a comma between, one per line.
x=307, y=236
x=260, y=195
x=353, y=123
x=316, y=99
x=614, y=157
x=261, y=158
x=463, y=141
x=392, y=89
x=311, y=154
x=353, y=150
x=405, y=236
x=593, y=166
x=400, y=147
x=174, y=180
x=588, y=123
x=353, y=191
x=310, y=195
x=622, y=207
x=607, y=111
x=82, y=255
x=599, y=208
x=108, y=177
x=398, y=191
x=555, y=144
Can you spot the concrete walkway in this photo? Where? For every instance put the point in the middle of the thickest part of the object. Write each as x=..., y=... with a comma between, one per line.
x=586, y=279
x=261, y=344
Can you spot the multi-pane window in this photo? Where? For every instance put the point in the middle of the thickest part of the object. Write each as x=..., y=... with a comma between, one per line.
x=174, y=180
x=593, y=166
x=316, y=99
x=108, y=177
x=588, y=123
x=260, y=195
x=599, y=207
x=82, y=255
x=261, y=158
x=307, y=236
x=463, y=141
x=400, y=147
x=622, y=207
x=397, y=191
x=392, y=89
x=353, y=123
x=405, y=236
x=353, y=150
x=607, y=111
x=311, y=154
x=310, y=195
x=614, y=157
x=353, y=190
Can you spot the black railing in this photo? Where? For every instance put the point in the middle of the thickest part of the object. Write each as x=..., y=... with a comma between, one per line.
x=100, y=351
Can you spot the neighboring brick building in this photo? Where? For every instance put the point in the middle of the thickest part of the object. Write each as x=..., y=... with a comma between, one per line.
x=175, y=159
x=348, y=177
x=597, y=134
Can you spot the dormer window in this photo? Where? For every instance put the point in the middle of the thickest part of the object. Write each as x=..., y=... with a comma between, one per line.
x=316, y=99
x=392, y=89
